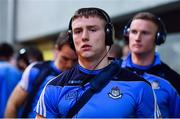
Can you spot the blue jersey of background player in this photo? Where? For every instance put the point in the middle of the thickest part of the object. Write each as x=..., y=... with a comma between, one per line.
x=123, y=96
x=143, y=33
x=36, y=75
x=9, y=75
x=167, y=97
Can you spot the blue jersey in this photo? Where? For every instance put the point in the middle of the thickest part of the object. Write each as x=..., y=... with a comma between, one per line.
x=167, y=97
x=9, y=77
x=28, y=79
x=122, y=97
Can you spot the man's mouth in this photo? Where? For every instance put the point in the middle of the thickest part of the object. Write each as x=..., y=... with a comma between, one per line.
x=86, y=47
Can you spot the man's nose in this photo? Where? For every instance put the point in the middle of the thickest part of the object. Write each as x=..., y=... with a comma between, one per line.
x=138, y=37
x=85, y=35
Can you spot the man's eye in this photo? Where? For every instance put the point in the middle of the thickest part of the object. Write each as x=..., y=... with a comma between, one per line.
x=133, y=31
x=93, y=30
x=77, y=31
x=145, y=32
x=65, y=58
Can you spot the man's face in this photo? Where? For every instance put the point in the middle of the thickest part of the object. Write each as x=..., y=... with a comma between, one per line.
x=89, y=37
x=66, y=58
x=142, y=36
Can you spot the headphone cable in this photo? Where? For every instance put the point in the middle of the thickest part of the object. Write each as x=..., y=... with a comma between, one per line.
x=86, y=78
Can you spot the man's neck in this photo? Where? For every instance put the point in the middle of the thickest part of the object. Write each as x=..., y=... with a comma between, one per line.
x=142, y=59
x=94, y=64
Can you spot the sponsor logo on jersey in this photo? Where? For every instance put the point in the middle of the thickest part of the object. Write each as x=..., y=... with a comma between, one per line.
x=71, y=95
x=115, y=93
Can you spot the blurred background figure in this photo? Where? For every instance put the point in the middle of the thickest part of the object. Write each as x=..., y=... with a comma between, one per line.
x=125, y=48
x=9, y=75
x=25, y=56
x=26, y=94
x=115, y=51
x=125, y=51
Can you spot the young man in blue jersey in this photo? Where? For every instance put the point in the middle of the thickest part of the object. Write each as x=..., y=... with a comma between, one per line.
x=9, y=75
x=36, y=75
x=143, y=33
x=91, y=31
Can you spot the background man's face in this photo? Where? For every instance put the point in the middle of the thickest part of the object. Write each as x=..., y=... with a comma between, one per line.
x=66, y=58
x=142, y=36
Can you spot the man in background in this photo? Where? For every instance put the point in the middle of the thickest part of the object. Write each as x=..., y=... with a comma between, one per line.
x=35, y=77
x=9, y=75
x=143, y=33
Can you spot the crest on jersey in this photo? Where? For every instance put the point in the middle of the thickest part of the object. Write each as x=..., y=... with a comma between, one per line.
x=115, y=93
x=155, y=85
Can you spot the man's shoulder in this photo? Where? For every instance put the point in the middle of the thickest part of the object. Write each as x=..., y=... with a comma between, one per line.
x=63, y=78
x=158, y=81
x=41, y=64
x=8, y=68
x=46, y=67
x=127, y=75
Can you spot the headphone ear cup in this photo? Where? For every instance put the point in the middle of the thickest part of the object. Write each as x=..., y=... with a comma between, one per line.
x=161, y=34
x=109, y=34
x=160, y=38
x=71, y=39
x=126, y=32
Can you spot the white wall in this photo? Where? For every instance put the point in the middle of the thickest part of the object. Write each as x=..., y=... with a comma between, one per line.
x=36, y=18
x=6, y=20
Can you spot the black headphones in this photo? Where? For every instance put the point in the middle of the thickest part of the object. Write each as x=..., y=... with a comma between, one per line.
x=160, y=35
x=108, y=28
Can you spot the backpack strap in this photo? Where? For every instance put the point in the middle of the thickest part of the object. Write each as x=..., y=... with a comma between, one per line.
x=96, y=85
x=127, y=74
x=172, y=76
x=164, y=71
x=45, y=70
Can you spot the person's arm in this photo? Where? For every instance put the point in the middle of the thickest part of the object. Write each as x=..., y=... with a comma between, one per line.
x=39, y=117
x=16, y=99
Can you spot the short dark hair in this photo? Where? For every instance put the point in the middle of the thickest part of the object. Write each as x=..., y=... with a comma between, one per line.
x=63, y=39
x=147, y=16
x=86, y=12
x=6, y=50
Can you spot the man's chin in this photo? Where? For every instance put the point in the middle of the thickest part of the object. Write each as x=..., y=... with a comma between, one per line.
x=137, y=52
x=86, y=55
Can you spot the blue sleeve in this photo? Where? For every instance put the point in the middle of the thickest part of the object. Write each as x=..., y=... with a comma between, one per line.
x=146, y=105
x=47, y=105
x=177, y=108
x=174, y=105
